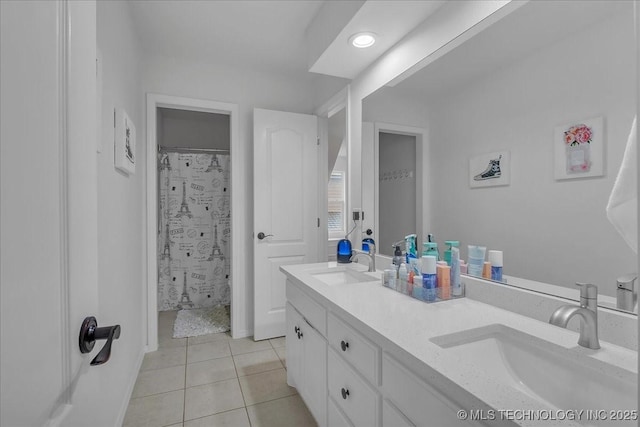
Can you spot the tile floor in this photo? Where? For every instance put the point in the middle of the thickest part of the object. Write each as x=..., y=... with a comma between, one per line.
x=214, y=380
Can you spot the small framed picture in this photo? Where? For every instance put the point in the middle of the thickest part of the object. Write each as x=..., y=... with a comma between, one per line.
x=490, y=170
x=579, y=149
x=125, y=143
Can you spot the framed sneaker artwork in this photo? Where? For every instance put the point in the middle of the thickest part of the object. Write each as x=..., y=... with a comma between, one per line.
x=490, y=170
x=579, y=149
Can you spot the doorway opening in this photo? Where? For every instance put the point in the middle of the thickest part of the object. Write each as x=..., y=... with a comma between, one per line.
x=191, y=236
x=194, y=220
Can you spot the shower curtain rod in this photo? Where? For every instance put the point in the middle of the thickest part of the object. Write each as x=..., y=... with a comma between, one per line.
x=193, y=150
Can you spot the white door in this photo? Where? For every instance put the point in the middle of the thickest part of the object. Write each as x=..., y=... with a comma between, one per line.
x=48, y=213
x=286, y=224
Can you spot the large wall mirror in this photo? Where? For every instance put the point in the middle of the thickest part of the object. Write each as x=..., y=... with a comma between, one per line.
x=493, y=166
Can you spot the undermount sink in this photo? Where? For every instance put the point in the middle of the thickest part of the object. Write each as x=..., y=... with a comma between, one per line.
x=342, y=276
x=555, y=376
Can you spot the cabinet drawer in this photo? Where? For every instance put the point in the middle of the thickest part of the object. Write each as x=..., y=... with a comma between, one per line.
x=357, y=399
x=392, y=417
x=416, y=399
x=336, y=417
x=310, y=310
x=354, y=348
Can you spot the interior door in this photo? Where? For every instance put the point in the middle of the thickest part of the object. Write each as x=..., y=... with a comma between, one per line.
x=286, y=224
x=48, y=212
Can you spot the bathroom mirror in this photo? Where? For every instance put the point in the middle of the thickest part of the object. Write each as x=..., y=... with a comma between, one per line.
x=338, y=168
x=497, y=108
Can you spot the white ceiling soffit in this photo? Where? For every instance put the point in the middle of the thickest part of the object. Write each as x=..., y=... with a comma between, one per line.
x=257, y=34
x=390, y=20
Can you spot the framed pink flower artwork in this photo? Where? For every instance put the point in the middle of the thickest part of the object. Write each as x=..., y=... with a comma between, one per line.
x=579, y=149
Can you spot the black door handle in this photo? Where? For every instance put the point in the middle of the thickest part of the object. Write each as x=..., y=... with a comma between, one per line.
x=344, y=345
x=89, y=333
x=261, y=235
x=345, y=393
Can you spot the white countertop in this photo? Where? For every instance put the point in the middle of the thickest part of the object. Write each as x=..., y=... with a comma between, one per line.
x=409, y=324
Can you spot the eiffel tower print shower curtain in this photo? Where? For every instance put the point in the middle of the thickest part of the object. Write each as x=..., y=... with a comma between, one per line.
x=194, y=231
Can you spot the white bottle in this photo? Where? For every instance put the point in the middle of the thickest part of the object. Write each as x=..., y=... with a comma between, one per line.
x=403, y=277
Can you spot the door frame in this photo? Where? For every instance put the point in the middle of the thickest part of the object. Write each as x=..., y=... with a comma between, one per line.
x=154, y=101
x=334, y=105
x=423, y=191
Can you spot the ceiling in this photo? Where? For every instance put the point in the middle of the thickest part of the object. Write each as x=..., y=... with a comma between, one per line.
x=263, y=35
x=273, y=35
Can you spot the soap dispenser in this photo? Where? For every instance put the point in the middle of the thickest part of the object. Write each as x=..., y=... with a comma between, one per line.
x=398, y=259
x=430, y=249
x=344, y=251
x=447, y=253
x=367, y=240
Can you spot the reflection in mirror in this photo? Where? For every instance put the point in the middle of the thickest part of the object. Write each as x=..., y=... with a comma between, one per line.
x=397, y=187
x=515, y=89
x=338, y=173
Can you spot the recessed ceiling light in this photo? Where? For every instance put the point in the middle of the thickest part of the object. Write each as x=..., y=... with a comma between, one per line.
x=362, y=40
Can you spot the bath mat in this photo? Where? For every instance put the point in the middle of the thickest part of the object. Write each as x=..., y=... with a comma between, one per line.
x=201, y=321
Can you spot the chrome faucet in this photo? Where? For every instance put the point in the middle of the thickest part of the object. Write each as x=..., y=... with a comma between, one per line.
x=588, y=312
x=371, y=256
x=627, y=294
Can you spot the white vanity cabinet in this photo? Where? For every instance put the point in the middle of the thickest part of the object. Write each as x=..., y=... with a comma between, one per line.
x=348, y=376
x=307, y=354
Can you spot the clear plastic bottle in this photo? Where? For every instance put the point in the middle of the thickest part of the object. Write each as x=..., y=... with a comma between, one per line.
x=403, y=277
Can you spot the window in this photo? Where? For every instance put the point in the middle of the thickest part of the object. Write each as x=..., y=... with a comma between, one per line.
x=336, y=218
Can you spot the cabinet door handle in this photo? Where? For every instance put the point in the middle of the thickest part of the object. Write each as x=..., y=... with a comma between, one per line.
x=300, y=334
x=345, y=393
x=296, y=329
x=344, y=345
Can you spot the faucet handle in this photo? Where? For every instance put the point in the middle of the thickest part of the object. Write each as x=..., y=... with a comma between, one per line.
x=587, y=290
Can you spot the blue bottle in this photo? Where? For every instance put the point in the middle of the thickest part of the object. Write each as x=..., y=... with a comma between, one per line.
x=495, y=258
x=429, y=278
x=367, y=240
x=344, y=251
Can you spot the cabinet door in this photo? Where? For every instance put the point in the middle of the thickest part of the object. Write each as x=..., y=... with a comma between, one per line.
x=294, y=347
x=391, y=416
x=314, y=373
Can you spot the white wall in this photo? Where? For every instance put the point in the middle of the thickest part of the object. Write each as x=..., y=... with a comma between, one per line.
x=248, y=89
x=121, y=212
x=591, y=73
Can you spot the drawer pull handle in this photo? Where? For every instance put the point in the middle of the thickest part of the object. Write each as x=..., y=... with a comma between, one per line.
x=344, y=345
x=345, y=393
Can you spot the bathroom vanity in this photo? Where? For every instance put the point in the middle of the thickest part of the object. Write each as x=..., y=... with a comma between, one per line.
x=361, y=354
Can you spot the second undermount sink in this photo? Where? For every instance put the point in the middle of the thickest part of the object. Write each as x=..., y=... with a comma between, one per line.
x=342, y=276
x=555, y=376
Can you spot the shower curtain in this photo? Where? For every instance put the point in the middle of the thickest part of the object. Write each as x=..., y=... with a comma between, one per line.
x=194, y=231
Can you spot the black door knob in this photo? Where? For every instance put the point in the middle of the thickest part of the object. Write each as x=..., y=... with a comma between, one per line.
x=261, y=235
x=345, y=393
x=344, y=345
x=90, y=333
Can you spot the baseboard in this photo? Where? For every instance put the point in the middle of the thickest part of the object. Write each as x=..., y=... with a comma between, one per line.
x=241, y=334
x=130, y=386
